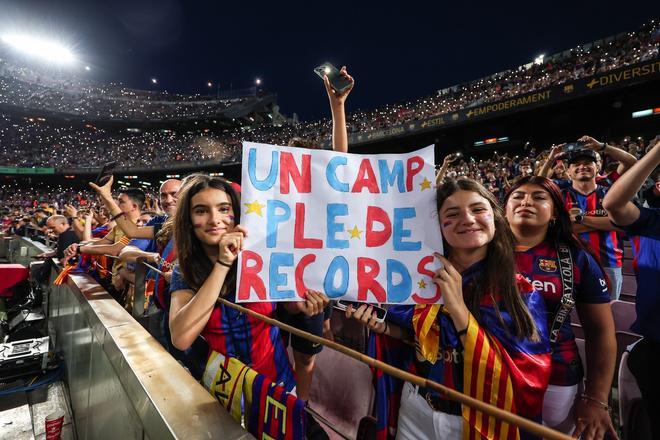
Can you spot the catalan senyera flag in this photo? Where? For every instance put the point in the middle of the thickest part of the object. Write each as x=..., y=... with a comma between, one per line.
x=487, y=378
x=497, y=367
x=427, y=330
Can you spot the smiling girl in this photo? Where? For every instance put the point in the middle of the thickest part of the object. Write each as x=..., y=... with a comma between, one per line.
x=208, y=238
x=543, y=232
x=485, y=305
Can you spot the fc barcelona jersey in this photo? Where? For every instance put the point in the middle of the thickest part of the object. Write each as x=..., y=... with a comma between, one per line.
x=605, y=244
x=540, y=266
x=254, y=342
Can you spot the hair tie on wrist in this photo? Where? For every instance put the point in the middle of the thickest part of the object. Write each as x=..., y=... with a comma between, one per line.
x=222, y=263
x=461, y=332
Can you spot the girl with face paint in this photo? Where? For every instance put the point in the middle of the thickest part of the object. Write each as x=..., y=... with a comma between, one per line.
x=483, y=300
x=208, y=238
x=540, y=223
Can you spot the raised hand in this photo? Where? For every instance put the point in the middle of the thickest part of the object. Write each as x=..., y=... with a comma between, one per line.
x=336, y=98
x=591, y=143
x=450, y=282
x=105, y=191
x=231, y=243
x=366, y=315
x=70, y=211
x=314, y=303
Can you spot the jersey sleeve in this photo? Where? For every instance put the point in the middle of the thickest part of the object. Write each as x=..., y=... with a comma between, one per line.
x=143, y=244
x=593, y=287
x=112, y=234
x=647, y=225
x=157, y=223
x=177, y=282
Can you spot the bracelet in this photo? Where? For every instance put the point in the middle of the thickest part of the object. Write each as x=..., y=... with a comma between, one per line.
x=602, y=149
x=223, y=264
x=116, y=217
x=601, y=404
x=461, y=332
x=387, y=327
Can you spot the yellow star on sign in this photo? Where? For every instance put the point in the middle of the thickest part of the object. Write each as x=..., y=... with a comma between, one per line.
x=355, y=233
x=426, y=184
x=255, y=207
x=421, y=284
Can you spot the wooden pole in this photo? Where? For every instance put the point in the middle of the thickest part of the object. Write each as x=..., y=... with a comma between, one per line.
x=506, y=416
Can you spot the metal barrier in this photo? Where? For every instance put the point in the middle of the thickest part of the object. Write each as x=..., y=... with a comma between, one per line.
x=122, y=383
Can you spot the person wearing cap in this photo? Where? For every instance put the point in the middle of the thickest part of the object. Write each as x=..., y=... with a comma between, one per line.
x=624, y=159
x=584, y=201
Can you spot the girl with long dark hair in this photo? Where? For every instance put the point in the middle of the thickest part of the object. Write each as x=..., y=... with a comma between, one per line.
x=557, y=264
x=208, y=238
x=490, y=329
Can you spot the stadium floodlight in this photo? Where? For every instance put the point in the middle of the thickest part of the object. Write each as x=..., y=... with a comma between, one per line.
x=258, y=81
x=87, y=68
x=539, y=59
x=46, y=49
x=154, y=81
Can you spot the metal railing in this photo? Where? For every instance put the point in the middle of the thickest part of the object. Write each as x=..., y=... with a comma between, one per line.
x=122, y=382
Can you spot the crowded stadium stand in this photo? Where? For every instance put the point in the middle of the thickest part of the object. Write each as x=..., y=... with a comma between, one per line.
x=37, y=129
x=56, y=132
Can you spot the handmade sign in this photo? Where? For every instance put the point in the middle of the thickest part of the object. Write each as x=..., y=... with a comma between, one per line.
x=356, y=227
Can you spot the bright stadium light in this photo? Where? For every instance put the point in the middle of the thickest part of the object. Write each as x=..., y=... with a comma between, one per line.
x=49, y=50
x=258, y=81
x=539, y=59
x=154, y=81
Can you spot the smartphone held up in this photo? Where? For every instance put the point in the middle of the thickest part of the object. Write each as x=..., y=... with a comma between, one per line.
x=105, y=173
x=338, y=82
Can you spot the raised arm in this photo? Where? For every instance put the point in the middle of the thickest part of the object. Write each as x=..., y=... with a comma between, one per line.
x=625, y=159
x=546, y=169
x=130, y=254
x=71, y=212
x=617, y=201
x=87, y=232
x=337, y=101
x=448, y=160
x=189, y=310
x=130, y=229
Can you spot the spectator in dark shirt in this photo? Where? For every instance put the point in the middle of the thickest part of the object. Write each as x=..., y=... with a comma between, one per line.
x=65, y=235
x=644, y=223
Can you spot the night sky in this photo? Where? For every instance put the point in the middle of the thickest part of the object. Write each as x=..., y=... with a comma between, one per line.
x=395, y=51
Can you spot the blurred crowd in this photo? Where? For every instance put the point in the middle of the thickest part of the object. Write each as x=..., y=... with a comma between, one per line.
x=30, y=142
x=26, y=88
x=496, y=172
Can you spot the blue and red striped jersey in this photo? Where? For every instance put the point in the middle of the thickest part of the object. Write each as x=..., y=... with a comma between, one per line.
x=606, y=245
x=254, y=342
x=541, y=268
